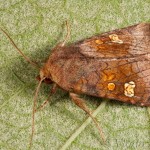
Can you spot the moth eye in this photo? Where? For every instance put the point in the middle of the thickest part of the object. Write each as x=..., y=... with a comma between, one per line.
x=114, y=38
x=129, y=89
x=111, y=86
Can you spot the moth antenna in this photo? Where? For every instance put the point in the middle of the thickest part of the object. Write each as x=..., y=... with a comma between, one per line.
x=21, y=53
x=34, y=110
x=67, y=35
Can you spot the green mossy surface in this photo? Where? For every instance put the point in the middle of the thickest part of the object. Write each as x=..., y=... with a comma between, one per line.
x=37, y=26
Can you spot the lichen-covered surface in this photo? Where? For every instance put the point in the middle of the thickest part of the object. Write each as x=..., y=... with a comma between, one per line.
x=36, y=27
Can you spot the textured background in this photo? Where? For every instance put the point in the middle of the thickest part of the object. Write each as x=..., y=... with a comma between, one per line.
x=36, y=26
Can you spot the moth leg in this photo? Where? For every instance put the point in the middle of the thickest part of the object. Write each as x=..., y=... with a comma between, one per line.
x=67, y=35
x=53, y=91
x=81, y=103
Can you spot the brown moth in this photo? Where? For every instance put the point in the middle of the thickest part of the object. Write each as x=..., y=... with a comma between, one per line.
x=114, y=65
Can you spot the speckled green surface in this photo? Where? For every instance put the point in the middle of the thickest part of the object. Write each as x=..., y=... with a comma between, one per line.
x=36, y=26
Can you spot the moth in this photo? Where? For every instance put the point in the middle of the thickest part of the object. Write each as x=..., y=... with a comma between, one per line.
x=114, y=65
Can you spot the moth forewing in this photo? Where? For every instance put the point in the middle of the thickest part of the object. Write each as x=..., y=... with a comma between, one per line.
x=114, y=58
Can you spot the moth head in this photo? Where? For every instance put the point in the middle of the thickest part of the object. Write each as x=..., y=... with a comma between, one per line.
x=43, y=75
